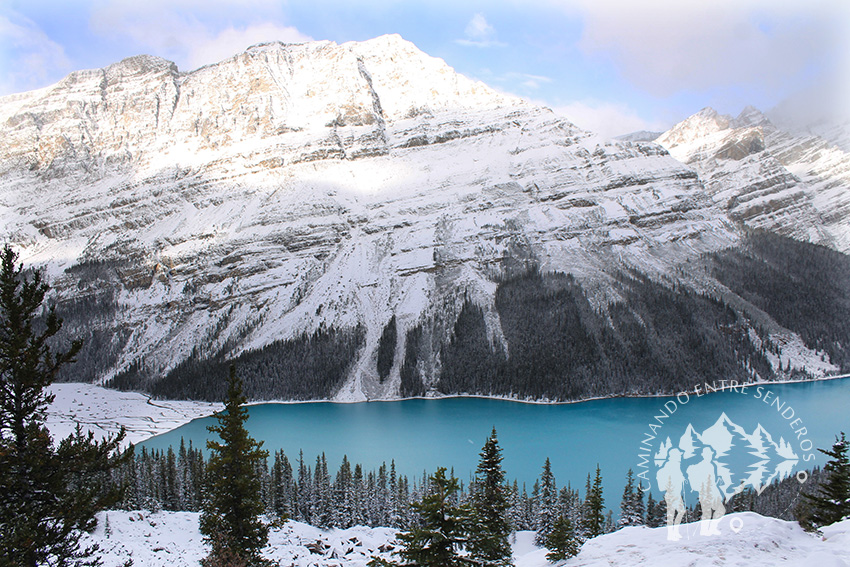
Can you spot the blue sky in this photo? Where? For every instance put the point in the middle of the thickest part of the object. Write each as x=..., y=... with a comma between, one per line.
x=610, y=66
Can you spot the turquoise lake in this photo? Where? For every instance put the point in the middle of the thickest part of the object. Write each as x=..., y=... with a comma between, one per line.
x=422, y=434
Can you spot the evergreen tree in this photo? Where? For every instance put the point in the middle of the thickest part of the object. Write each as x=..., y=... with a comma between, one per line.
x=515, y=516
x=489, y=538
x=582, y=528
x=547, y=504
x=284, y=494
x=562, y=541
x=321, y=512
x=232, y=504
x=831, y=502
x=609, y=523
x=305, y=490
x=343, y=507
x=168, y=481
x=639, y=507
x=359, y=514
x=631, y=506
x=594, y=504
x=198, y=470
x=442, y=528
x=48, y=493
x=570, y=506
x=654, y=515
x=382, y=504
x=396, y=513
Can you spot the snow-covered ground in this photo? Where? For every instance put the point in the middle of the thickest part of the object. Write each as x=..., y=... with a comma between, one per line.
x=756, y=541
x=105, y=411
x=172, y=539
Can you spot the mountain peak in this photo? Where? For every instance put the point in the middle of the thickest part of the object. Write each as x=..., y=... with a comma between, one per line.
x=390, y=39
x=697, y=126
x=140, y=65
x=752, y=116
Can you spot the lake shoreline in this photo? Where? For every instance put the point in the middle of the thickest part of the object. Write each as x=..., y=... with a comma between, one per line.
x=420, y=434
x=545, y=402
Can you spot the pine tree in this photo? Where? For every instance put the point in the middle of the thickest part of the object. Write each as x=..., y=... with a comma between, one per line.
x=653, y=519
x=594, y=507
x=232, y=504
x=582, y=527
x=631, y=506
x=183, y=482
x=442, y=527
x=49, y=492
x=321, y=512
x=489, y=538
x=394, y=508
x=305, y=489
x=609, y=523
x=527, y=508
x=382, y=504
x=562, y=541
x=284, y=494
x=515, y=516
x=168, y=481
x=547, y=504
x=831, y=502
x=358, y=497
x=639, y=508
x=343, y=508
x=570, y=506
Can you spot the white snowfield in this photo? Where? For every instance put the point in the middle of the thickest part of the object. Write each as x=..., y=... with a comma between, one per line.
x=172, y=539
x=104, y=412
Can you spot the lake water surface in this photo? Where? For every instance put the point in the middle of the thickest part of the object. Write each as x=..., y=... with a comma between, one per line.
x=423, y=434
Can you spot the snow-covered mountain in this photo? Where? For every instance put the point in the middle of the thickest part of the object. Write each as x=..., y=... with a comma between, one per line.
x=768, y=178
x=298, y=191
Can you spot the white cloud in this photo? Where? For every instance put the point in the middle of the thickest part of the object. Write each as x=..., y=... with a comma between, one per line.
x=526, y=80
x=231, y=40
x=607, y=118
x=667, y=46
x=826, y=103
x=478, y=28
x=479, y=33
x=36, y=56
x=192, y=33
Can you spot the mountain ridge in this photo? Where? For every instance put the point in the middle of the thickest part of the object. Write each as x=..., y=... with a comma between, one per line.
x=309, y=194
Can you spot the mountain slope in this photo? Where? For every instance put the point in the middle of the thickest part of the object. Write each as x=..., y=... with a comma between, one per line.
x=767, y=178
x=284, y=206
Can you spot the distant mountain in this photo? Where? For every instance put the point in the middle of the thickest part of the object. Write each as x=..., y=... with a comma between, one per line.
x=306, y=209
x=640, y=136
x=767, y=178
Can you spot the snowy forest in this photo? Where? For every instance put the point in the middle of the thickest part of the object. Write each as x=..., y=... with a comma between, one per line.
x=312, y=493
x=557, y=344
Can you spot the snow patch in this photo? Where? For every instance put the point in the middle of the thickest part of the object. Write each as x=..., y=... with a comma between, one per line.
x=172, y=539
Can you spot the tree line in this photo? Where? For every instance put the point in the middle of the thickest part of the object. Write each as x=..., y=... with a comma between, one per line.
x=559, y=346
x=311, y=493
x=658, y=337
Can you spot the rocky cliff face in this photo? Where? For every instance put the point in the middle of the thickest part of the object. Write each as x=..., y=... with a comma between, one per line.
x=296, y=189
x=767, y=178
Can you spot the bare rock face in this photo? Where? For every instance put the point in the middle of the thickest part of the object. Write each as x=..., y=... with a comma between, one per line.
x=295, y=188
